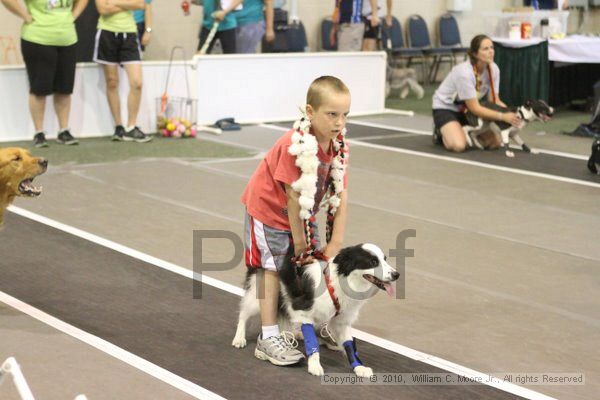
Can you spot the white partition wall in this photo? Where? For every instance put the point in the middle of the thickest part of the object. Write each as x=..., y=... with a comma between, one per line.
x=90, y=115
x=254, y=88
x=270, y=87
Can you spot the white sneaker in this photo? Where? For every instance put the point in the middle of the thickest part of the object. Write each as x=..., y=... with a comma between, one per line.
x=279, y=350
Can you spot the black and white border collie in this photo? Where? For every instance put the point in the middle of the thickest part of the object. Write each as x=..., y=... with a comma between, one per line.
x=532, y=110
x=355, y=274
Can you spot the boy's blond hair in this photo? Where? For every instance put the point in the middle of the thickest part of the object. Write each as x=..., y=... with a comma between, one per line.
x=321, y=87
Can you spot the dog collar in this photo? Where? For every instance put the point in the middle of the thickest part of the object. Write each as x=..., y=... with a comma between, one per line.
x=521, y=114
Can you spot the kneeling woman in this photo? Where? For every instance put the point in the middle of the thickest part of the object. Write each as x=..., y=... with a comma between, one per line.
x=468, y=87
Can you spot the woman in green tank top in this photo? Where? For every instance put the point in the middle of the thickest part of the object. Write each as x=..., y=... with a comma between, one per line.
x=48, y=40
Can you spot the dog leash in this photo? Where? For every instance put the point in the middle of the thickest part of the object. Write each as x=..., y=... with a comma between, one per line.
x=301, y=260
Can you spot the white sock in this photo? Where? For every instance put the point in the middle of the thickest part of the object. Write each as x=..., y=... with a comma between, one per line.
x=268, y=331
x=63, y=130
x=129, y=128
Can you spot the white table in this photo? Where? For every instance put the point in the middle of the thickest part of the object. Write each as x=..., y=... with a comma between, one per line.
x=572, y=49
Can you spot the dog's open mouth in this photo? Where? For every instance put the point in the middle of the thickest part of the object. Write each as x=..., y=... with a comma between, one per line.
x=389, y=287
x=26, y=188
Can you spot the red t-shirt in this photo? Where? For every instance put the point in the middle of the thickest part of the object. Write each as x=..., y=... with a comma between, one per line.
x=264, y=196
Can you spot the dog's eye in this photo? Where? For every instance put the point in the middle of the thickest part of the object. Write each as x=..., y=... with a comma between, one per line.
x=374, y=263
x=17, y=158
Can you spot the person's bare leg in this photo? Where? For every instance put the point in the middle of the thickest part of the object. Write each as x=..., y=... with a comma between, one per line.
x=37, y=106
x=369, y=45
x=62, y=106
x=453, y=136
x=270, y=300
x=134, y=75
x=111, y=74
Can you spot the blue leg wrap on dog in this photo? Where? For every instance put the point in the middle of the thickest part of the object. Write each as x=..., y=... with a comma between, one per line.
x=352, y=353
x=310, y=339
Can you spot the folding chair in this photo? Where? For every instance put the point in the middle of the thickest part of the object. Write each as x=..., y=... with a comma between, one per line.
x=449, y=35
x=393, y=43
x=418, y=38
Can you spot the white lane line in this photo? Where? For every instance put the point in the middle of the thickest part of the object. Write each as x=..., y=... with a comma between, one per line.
x=392, y=136
x=358, y=203
x=166, y=200
x=460, y=160
x=123, y=355
x=389, y=127
x=377, y=341
x=479, y=164
x=428, y=133
x=406, y=113
x=540, y=306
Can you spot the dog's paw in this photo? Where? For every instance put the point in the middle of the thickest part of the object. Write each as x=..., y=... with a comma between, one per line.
x=363, y=372
x=314, y=365
x=239, y=342
x=509, y=153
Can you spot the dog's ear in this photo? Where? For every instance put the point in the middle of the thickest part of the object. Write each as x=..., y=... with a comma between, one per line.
x=528, y=104
x=346, y=259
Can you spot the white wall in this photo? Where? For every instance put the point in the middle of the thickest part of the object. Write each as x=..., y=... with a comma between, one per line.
x=272, y=88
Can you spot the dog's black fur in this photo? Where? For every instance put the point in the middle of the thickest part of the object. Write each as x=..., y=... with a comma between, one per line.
x=530, y=111
x=355, y=275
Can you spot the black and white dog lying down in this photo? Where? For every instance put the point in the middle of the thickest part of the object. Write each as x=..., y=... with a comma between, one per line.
x=532, y=110
x=354, y=275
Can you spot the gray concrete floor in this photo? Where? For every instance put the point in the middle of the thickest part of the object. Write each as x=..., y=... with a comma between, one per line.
x=505, y=274
x=58, y=366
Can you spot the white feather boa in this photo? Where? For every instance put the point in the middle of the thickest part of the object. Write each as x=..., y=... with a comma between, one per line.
x=305, y=148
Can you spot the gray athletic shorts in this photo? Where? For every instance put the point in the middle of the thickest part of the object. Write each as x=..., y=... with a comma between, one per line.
x=264, y=246
x=350, y=37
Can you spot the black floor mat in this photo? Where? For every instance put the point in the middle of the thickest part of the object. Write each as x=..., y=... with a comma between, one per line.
x=151, y=312
x=539, y=163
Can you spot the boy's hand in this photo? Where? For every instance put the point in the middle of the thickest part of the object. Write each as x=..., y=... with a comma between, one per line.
x=299, y=249
x=331, y=250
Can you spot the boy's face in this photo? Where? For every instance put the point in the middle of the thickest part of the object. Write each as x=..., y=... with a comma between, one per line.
x=330, y=118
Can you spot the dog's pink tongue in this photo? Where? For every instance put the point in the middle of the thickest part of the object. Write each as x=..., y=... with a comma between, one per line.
x=390, y=288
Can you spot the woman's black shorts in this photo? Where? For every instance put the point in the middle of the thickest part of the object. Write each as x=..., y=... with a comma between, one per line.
x=117, y=48
x=441, y=117
x=50, y=69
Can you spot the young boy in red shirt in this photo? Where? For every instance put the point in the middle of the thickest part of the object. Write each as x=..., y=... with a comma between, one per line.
x=305, y=167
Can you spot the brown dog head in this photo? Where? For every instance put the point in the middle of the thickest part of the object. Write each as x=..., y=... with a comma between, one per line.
x=18, y=168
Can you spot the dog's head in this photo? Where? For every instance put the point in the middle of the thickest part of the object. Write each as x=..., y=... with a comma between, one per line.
x=537, y=110
x=365, y=266
x=18, y=169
